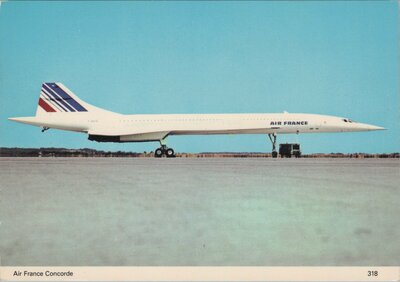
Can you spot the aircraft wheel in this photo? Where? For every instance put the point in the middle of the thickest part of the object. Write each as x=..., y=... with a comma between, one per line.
x=158, y=153
x=274, y=154
x=170, y=153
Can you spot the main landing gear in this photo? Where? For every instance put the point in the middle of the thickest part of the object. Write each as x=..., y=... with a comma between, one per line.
x=272, y=137
x=164, y=151
x=44, y=128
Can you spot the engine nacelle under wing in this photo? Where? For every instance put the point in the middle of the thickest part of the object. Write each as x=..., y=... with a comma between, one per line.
x=103, y=138
x=107, y=136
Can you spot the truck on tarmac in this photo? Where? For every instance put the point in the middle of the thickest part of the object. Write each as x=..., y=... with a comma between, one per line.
x=288, y=150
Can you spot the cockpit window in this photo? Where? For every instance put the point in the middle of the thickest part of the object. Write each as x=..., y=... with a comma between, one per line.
x=348, y=120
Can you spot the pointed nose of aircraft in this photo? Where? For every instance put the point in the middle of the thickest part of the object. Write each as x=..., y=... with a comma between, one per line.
x=369, y=127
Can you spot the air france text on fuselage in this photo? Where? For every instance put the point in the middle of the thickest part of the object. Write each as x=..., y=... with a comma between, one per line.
x=286, y=122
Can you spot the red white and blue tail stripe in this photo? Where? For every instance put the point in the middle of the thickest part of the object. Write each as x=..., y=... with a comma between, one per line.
x=55, y=97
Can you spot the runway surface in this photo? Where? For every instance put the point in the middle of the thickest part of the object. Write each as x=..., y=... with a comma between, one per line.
x=209, y=212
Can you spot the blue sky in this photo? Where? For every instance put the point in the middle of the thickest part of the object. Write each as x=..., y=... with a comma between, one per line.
x=338, y=58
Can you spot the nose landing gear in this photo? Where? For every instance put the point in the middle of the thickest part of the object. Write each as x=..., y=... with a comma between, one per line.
x=272, y=137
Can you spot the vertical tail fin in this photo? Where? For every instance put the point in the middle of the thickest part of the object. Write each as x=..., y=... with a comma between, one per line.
x=56, y=98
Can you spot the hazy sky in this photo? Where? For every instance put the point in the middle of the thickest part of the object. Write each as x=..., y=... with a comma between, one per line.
x=338, y=58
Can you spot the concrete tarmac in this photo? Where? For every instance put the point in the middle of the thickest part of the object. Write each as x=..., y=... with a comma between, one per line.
x=199, y=212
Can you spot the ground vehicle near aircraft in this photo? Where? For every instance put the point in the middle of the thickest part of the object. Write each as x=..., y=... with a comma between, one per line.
x=59, y=108
x=288, y=150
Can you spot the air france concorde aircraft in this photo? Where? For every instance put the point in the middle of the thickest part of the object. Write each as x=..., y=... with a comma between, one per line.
x=59, y=108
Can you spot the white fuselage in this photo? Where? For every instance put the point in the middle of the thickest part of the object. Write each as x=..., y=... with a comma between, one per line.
x=58, y=107
x=141, y=128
